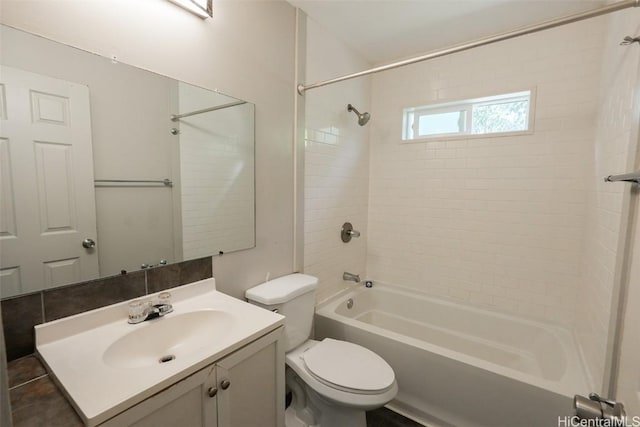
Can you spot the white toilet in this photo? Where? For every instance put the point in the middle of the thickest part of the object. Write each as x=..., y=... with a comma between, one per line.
x=333, y=382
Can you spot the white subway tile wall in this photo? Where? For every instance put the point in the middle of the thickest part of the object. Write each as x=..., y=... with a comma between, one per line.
x=615, y=123
x=496, y=222
x=520, y=224
x=336, y=163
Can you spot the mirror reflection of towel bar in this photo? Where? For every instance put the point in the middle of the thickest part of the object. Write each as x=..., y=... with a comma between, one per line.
x=132, y=182
x=176, y=117
x=627, y=177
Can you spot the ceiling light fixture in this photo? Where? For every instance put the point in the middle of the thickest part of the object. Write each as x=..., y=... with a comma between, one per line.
x=202, y=8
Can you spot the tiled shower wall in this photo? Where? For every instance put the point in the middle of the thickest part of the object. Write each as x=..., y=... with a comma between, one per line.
x=521, y=224
x=336, y=163
x=613, y=146
x=495, y=222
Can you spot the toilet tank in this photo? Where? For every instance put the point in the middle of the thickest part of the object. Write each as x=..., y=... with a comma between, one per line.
x=293, y=296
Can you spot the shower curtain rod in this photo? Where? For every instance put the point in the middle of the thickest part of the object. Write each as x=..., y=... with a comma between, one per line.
x=625, y=4
x=176, y=117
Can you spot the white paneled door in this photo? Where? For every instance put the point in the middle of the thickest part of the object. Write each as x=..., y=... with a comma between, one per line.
x=47, y=200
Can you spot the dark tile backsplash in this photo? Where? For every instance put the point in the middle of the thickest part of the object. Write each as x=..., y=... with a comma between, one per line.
x=161, y=278
x=68, y=300
x=21, y=314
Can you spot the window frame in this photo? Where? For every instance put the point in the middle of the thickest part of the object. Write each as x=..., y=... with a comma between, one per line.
x=411, y=116
x=421, y=112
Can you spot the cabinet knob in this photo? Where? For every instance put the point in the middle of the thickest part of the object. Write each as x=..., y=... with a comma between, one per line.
x=212, y=391
x=224, y=384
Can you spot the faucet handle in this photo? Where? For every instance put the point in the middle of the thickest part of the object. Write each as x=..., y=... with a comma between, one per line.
x=164, y=298
x=137, y=311
x=348, y=232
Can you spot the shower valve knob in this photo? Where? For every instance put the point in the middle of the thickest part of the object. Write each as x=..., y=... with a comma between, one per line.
x=348, y=232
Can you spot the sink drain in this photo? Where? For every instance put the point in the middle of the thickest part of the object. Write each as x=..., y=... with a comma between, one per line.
x=165, y=359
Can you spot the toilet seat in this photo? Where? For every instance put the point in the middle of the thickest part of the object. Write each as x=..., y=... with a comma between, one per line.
x=348, y=367
x=338, y=395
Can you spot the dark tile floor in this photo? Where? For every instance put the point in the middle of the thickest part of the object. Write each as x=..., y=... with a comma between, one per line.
x=35, y=399
x=384, y=417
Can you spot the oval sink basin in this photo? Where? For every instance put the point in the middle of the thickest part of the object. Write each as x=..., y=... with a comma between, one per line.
x=167, y=338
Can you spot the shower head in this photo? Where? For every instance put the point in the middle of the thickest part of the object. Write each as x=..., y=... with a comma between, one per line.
x=362, y=118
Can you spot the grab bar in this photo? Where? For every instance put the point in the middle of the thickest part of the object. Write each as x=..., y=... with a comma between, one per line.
x=627, y=177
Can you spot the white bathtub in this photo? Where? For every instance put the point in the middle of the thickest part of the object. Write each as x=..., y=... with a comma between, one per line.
x=457, y=365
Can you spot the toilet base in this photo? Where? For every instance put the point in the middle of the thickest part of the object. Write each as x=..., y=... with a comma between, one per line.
x=359, y=420
x=291, y=419
x=309, y=409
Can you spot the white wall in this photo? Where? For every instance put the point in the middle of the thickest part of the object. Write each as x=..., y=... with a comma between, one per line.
x=336, y=162
x=246, y=50
x=613, y=154
x=495, y=222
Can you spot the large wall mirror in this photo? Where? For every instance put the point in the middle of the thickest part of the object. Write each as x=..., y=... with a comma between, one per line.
x=105, y=167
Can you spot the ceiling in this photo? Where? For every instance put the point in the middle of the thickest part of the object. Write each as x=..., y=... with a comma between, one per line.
x=386, y=30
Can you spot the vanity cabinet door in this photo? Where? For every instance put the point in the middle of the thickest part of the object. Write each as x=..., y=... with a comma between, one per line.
x=188, y=403
x=245, y=389
x=251, y=384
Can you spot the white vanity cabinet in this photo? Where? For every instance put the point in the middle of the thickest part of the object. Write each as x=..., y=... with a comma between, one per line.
x=243, y=389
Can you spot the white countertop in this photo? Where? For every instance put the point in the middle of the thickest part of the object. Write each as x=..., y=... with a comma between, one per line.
x=73, y=349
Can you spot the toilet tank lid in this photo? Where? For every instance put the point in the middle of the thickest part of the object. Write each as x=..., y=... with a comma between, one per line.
x=282, y=289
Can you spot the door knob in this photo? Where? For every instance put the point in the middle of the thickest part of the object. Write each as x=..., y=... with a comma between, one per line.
x=212, y=391
x=88, y=243
x=224, y=384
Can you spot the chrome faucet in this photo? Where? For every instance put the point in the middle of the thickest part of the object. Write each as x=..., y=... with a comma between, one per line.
x=150, y=312
x=350, y=276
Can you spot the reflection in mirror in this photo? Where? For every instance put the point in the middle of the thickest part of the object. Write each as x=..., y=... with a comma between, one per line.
x=106, y=167
x=216, y=172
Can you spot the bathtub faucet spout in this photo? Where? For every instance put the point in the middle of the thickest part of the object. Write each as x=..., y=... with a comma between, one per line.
x=350, y=276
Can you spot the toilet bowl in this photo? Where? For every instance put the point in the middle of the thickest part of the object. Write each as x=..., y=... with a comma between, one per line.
x=332, y=382
x=344, y=373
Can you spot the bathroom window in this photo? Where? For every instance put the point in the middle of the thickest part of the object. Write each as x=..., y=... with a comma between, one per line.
x=507, y=113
